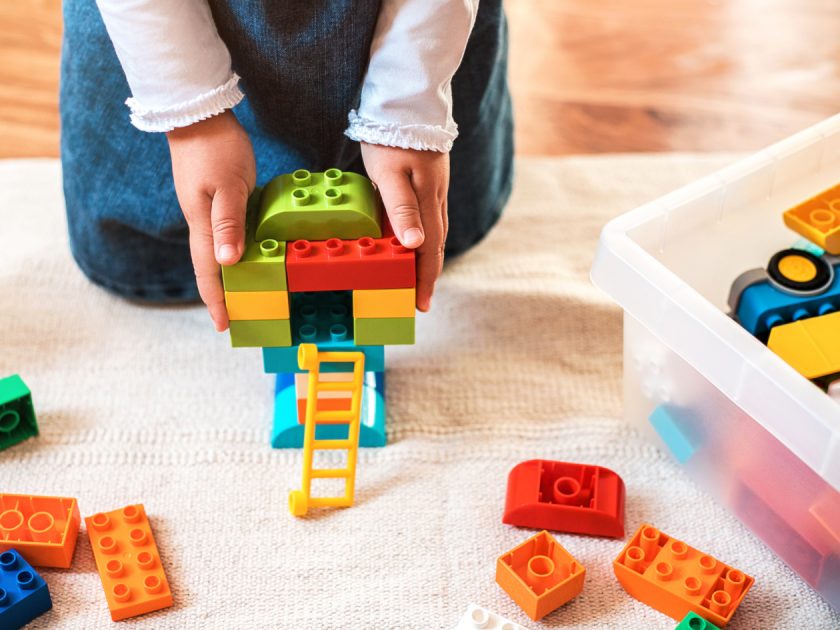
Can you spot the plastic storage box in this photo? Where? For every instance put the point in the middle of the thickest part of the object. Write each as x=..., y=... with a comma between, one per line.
x=748, y=428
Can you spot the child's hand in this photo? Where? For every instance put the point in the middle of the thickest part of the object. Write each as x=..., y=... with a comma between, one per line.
x=214, y=171
x=413, y=185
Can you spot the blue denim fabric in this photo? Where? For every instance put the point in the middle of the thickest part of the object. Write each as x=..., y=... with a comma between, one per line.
x=302, y=65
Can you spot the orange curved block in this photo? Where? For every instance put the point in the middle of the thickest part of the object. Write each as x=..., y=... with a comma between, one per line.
x=128, y=562
x=42, y=529
x=540, y=575
x=675, y=579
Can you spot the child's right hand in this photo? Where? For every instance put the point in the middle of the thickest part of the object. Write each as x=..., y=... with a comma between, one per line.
x=214, y=172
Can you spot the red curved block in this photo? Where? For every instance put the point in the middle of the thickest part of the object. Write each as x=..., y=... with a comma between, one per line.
x=565, y=497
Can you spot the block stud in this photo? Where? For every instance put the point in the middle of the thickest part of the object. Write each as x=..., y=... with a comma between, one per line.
x=333, y=196
x=300, y=197
x=269, y=248
x=302, y=177
x=333, y=176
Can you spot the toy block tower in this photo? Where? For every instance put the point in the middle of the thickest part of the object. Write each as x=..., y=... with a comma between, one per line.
x=321, y=266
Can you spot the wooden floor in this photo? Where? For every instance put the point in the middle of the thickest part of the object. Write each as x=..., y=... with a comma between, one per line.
x=588, y=76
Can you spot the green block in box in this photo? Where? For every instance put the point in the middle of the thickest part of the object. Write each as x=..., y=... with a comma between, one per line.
x=17, y=415
x=383, y=331
x=261, y=333
x=319, y=206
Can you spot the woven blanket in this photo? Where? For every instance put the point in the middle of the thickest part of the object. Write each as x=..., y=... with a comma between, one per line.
x=520, y=358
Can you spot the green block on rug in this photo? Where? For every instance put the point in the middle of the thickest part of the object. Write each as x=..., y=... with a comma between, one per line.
x=263, y=264
x=383, y=331
x=17, y=415
x=693, y=621
x=319, y=206
x=261, y=333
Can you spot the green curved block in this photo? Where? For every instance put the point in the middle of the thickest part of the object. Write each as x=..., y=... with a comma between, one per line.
x=319, y=206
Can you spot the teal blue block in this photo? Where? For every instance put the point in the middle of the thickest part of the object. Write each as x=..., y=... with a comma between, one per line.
x=277, y=360
x=288, y=432
x=676, y=431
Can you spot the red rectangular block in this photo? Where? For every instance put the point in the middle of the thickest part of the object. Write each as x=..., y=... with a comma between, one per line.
x=339, y=265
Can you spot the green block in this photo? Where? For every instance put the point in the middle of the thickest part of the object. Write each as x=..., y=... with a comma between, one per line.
x=693, y=621
x=319, y=206
x=263, y=333
x=17, y=415
x=383, y=331
x=263, y=265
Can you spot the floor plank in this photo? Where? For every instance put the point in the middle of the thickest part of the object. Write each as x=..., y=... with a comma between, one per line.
x=588, y=76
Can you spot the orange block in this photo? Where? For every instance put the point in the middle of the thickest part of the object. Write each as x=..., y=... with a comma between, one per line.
x=675, y=579
x=380, y=303
x=257, y=305
x=540, y=575
x=818, y=219
x=42, y=529
x=128, y=562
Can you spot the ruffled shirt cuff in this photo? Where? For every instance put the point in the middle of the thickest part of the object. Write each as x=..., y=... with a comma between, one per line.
x=203, y=106
x=404, y=136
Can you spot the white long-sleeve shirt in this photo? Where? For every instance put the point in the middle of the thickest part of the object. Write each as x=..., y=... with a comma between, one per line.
x=179, y=69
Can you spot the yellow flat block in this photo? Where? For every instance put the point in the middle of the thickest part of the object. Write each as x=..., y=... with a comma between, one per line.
x=257, y=305
x=383, y=303
x=811, y=346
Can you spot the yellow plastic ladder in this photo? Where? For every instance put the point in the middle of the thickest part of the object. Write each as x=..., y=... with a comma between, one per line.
x=310, y=359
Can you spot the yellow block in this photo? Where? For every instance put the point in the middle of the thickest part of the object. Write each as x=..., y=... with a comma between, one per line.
x=811, y=346
x=383, y=303
x=254, y=305
x=818, y=219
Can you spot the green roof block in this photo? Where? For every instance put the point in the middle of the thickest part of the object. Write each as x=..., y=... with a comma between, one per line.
x=17, y=415
x=319, y=206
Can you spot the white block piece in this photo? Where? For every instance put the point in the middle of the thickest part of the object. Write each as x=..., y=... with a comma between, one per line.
x=478, y=618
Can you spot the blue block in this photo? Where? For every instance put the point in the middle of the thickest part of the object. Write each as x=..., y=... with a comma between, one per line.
x=288, y=432
x=279, y=360
x=24, y=594
x=762, y=306
x=675, y=431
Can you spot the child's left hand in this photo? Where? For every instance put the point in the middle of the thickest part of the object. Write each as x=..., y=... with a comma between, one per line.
x=413, y=185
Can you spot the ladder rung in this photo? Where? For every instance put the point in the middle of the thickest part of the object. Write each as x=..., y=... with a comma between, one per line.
x=337, y=417
x=335, y=386
x=330, y=473
x=332, y=444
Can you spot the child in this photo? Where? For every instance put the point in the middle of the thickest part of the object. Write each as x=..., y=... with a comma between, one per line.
x=305, y=68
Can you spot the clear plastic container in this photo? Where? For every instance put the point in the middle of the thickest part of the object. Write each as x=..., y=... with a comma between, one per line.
x=758, y=436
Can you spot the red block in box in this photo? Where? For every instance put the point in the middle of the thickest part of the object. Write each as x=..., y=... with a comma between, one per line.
x=339, y=265
x=565, y=497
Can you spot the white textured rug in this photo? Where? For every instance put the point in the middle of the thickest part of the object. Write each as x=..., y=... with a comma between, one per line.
x=519, y=359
